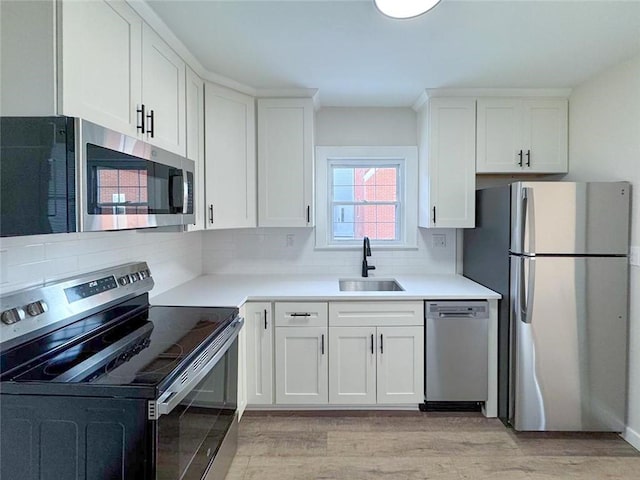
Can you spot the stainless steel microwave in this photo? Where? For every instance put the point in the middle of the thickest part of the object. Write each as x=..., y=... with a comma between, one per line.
x=62, y=174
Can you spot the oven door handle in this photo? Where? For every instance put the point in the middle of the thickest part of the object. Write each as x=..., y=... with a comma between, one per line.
x=177, y=391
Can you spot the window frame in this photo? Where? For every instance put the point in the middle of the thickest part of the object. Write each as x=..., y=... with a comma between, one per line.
x=404, y=157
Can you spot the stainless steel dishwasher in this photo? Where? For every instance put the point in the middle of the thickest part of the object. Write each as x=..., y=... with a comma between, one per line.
x=456, y=353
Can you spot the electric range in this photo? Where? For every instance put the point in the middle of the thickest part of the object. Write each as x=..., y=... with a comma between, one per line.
x=95, y=383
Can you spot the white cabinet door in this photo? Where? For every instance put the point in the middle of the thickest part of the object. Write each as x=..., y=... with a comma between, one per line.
x=352, y=365
x=500, y=147
x=195, y=141
x=545, y=135
x=259, y=327
x=230, y=159
x=285, y=162
x=163, y=93
x=522, y=135
x=302, y=365
x=447, y=164
x=400, y=365
x=101, y=63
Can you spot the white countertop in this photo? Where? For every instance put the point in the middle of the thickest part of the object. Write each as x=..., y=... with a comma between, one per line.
x=235, y=290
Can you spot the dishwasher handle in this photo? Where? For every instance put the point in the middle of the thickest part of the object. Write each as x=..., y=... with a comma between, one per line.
x=458, y=309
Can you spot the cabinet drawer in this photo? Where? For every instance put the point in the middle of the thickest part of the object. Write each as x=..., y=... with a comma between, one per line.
x=376, y=314
x=301, y=314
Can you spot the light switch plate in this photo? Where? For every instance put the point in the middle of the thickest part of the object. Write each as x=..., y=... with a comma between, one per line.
x=634, y=256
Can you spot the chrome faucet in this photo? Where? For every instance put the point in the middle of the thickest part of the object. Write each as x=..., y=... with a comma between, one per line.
x=366, y=252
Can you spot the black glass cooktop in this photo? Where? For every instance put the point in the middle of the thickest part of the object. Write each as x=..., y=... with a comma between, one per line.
x=131, y=344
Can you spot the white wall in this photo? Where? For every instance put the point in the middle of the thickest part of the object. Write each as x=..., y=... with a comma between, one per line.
x=265, y=250
x=604, y=144
x=173, y=258
x=366, y=127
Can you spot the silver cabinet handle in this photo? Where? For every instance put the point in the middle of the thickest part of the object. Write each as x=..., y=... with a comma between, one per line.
x=306, y=314
x=211, y=213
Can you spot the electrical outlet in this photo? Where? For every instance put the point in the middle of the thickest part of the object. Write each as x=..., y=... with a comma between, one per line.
x=634, y=257
x=290, y=239
x=438, y=240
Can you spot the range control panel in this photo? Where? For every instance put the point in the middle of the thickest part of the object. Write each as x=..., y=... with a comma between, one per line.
x=41, y=309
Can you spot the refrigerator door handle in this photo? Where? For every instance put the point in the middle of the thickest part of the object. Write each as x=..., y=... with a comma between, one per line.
x=526, y=288
x=527, y=218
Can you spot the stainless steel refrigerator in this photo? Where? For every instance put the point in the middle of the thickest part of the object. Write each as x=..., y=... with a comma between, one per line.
x=557, y=252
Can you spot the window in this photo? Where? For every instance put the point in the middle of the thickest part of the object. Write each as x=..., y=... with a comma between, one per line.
x=364, y=191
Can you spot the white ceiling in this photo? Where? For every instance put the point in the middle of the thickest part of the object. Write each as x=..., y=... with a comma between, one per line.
x=357, y=57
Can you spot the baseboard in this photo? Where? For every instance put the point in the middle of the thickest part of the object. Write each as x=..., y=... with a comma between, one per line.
x=633, y=437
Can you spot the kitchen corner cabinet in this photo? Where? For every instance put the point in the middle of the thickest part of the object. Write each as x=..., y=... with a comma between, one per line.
x=285, y=162
x=117, y=72
x=259, y=353
x=230, y=159
x=522, y=135
x=195, y=141
x=447, y=135
x=301, y=353
x=377, y=353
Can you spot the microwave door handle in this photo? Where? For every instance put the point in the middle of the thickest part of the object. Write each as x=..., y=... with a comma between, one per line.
x=175, y=182
x=186, y=191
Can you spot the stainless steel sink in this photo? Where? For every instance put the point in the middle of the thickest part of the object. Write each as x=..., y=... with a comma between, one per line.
x=370, y=286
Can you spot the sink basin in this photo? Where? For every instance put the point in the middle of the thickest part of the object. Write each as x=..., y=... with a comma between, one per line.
x=370, y=286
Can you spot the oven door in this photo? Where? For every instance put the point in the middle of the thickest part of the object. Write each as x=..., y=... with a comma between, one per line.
x=192, y=425
x=126, y=183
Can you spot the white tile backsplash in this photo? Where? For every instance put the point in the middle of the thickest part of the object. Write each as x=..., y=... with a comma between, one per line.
x=265, y=250
x=173, y=258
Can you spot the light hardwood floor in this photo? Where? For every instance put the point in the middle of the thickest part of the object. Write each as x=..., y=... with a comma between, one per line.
x=414, y=445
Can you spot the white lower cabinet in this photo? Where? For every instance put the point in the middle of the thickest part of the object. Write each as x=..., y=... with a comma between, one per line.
x=376, y=365
x=259, y=353
x=352, y=365
x=301, y=365
x=400, y=365
x=376, y=353
x=336, y=353
x=302, y=351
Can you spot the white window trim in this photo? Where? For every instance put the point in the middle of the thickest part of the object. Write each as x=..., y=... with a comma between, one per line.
x=408, y=156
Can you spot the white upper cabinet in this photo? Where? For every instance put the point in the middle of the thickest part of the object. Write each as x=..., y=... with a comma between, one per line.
x=230, y=159
x=522, y=135
x=163, y=93
x=285, y=162
x=195, y=141
x=101, y=63
x=447, y=163
x=117, y=72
